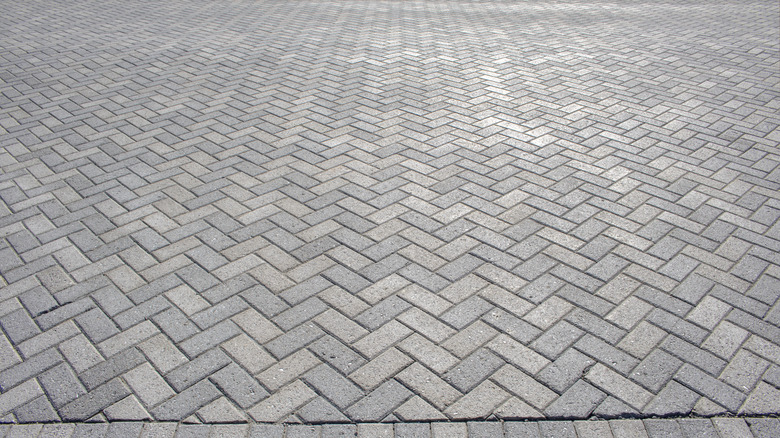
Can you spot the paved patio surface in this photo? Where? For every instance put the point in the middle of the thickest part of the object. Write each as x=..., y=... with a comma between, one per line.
x=329, y=212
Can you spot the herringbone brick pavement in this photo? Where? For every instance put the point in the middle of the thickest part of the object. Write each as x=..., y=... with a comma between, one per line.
x=382, y=211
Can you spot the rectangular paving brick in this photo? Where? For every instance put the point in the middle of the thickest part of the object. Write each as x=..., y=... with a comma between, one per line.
x=279, y=405
x=483, y=399
x=19, y=395
x=380, y=402
x=709, y=386
x=94, y=401
x=186, y=402
x=30, y=368
x=287, y=370
x=332, y=385
x=617, y=385
x=518, y=354
x=191, y=372
x=524, y=386
x=380, y=368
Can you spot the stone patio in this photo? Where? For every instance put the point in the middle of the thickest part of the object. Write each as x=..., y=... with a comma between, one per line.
x=326, y=216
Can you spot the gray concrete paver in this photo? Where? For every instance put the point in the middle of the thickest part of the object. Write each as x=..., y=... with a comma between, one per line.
x=306, y=212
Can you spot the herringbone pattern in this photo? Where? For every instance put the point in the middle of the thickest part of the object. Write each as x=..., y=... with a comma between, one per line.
x=380, y=211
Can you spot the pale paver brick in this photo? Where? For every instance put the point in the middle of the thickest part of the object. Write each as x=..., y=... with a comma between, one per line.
x=629, y=313
x=642, y=339
x=764, y=399
x=709, y=312
x=162, y=353
x=524, y=386
x=425, y=300
x=186, y=299
x=733, y=248
x=349, y=258
x=275, y=256
x=148, y=385
x=578, y=401
x=451, y=250
x=744, y=370
x=422, y=256
x=94, y=401
x=505, y=299
x=725, y=279
x=340, y=326
x=479, y=402
x=125, y=278
x=319, y=230
x=518, y=354
x=449, y=430
x=416, y=409
x=628, y=238
x=429, y=354
x=380, y=339
x=426, y=325
x=10, y=305
x=559, y=248
x=763, y=348
x=592, y=429
x=707, y=407
x=343, y=301
x=628, y=428
x=80, y=353
x=48, y=339
x=127, y=409
x=8, y=356
x=725, y=339
x=158, y=430
x=283, y=402
x=245, y=248
x=548, y=313
x=469, y=339
x=126, y=339
x=93, y=269
x=19, y=395
x=288, y=369
x=732, y=427
x=379, y=369
x=710, y=387
x=376, y=430
x=617, y=385
x=234, y=268
x=220, y=411
x=24, y=430
x=516, y=408
x=309, y=269
x=463, y=288
x=58, y=430
x=501, y=277
x=380, y=402
x=162, y=269
x=618, y=289
x=247, y=353
x=383, y=288
x=428, y=385
x=653, y=279
x=70, y=257
x=257, y=326
x=267, y=274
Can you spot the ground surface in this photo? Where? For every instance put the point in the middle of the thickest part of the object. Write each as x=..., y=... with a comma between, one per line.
x=359, y=211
